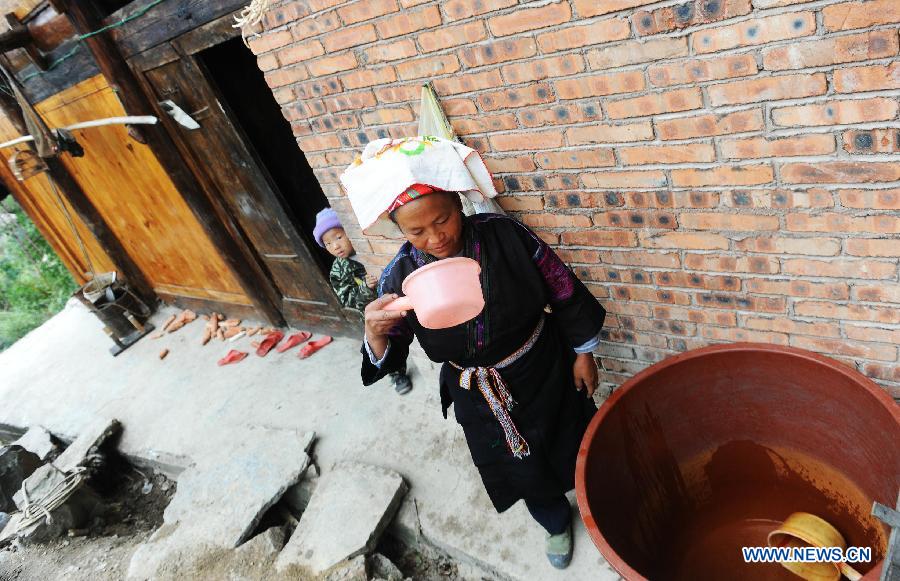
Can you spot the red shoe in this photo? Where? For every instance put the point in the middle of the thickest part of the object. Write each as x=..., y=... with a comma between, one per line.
x=233, y=357
x=269, y=342
x=313, y=346
x=294, y=340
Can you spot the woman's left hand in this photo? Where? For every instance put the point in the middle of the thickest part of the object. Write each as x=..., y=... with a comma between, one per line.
x=585, y=371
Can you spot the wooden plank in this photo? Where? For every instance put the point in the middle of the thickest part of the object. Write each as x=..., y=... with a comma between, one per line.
x=42, y=84
x=203, y=204
x=165, y=21
x=208, y=35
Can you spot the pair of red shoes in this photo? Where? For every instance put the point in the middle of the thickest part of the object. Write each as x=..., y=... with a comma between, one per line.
x=273, y=339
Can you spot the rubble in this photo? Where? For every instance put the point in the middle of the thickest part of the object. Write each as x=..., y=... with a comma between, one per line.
x=16, y=464
x=85, y=445
x=362, y=498
x=76, y=510
x=355, y=570
x=39, y=442
x=383, y=569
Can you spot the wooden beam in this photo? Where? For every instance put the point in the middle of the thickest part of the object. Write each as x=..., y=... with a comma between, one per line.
x=214, y=219
x=87, y=211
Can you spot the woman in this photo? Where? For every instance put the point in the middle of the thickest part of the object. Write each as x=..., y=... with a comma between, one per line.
x=520, y=377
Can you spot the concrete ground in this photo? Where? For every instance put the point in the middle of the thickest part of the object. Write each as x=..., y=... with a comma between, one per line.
x=178, y=409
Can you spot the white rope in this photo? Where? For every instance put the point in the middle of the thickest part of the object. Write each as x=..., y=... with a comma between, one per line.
x=139, y=120
x=41, y=508
x=249, y=16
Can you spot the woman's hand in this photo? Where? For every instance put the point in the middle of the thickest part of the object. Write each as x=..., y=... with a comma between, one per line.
x=585, y=372
x=379, y=322
x=371, y=281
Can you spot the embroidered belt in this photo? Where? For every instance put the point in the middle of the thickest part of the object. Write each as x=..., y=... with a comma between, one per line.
x=496, y=394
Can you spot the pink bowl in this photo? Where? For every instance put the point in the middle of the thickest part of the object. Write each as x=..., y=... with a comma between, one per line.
x=443, y=294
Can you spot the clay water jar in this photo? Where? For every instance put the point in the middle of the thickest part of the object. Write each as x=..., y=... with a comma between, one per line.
x=712, y=449
x=443, y=294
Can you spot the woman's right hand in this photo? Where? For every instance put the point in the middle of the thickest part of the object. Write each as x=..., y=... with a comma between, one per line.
x=379, y=323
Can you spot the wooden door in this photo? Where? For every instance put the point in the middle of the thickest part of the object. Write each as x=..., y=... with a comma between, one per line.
x=248, y=193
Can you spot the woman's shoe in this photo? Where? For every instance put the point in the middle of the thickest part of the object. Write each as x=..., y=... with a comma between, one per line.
x=313, y=346
x=402, y=383
x=559, y=548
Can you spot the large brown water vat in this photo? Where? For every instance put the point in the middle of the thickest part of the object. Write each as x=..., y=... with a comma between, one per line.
x=708, y=451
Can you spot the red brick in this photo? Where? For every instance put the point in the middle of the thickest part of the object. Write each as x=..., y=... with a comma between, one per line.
x=839, y=172
x=850, y=268
x=623, y=133
x=348, y=101
x=454, y=107
x=398, y=94
x=332, y=64
x=428, y=66
x=624, y=179
x=334, y=122
x=756, y=147
x=461, y=9
x=742, y=302
x=605, y=273
x=633, y=52
x=697, y=71
x=753, y=32
x=695, y=316
x=783, y=325
x=837, y=112
x=587, y=8
x=524, y=141
x=318, y=142
x=536, y=70
x=844, y=347
x=281, y=77
x=798, y=288
x=696, y=280
x=558, y=115
x=780, y=245
x=850, y=15
x=314, y=107
x=281, y=15
x=833, y=222
x=520, y=203
x=762, y=4
x=830, y=310
x=343, y=158
x=366, y=10
x=498, y=51
x=318, y=88
x=530, y=18
x=484, y=124
x=732, y=335
x=499, y=165
x=270, y=41
x=767, y=89
x=584, y=35
x=575, y=158
x=369, y=77
x=651, y=295
x=409, y=21
x=880, y=293
x=867, y=247
x=509, y=98
x=599, y=85
x=872, y=141
x=385, y=115
x=267, y=62
x=347, y=37
x=450, y=36
x=319, y=24
x=735, y=222
x=741, y=175
x=654, y=104
x=608, y=238
x=688, y=14
x=871, y=199
x=465, y=83
x=641, y=258
x=710, y=125
x=684, y=241
x=870, y=78
x=829, y=51
x=542, y=182
x=672, y=199
x=319, y=5
x=300, y=128
x=556, y=220
x=635, y=219
x=650, y=154
x=390, y=52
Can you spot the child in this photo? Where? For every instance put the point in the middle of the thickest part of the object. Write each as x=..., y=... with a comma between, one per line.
x=354, y=287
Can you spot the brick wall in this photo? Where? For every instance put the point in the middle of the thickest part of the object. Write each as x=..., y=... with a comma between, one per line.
x=716, y=171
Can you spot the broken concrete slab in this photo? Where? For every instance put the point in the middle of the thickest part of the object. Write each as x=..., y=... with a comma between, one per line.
x=72, y=514
x=354, y=570
x=79, y=452
x=16, y=465
x=221, y=499
x=265, y=544
x=38, y=441
x=384, y=569
x=350, y=508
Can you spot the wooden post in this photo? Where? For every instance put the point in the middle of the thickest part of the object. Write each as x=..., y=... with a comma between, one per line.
x=212, y=217
x=87, y=211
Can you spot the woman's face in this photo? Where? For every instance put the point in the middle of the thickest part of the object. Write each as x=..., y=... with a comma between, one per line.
x=433, y=224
